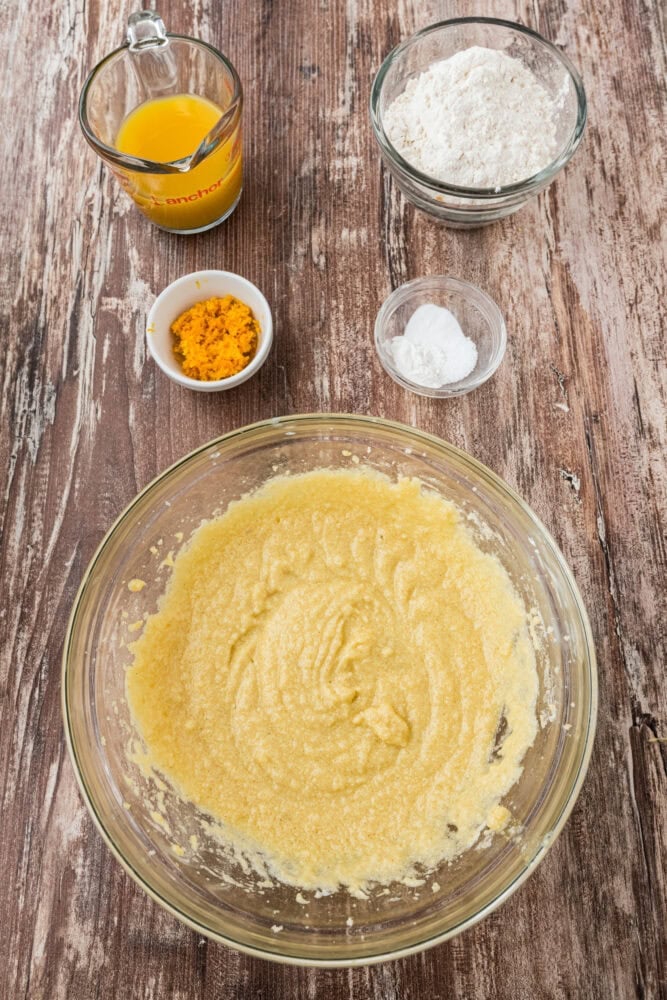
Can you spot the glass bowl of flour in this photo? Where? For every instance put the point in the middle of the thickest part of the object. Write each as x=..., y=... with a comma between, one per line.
x=474, y=116
x=440, y=336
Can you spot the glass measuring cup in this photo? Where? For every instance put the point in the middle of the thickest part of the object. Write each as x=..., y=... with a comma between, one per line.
x=164, y=111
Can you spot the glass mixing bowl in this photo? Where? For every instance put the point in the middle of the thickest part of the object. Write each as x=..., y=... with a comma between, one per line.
x=141, y=819
x=462, y=207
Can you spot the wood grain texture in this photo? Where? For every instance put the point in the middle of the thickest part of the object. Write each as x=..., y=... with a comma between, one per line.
x=574, y=419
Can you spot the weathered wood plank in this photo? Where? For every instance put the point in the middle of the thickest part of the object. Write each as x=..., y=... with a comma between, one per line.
x=575, y=419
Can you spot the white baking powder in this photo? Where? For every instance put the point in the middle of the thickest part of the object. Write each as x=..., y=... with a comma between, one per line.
x=433, y=351
x=477, y=119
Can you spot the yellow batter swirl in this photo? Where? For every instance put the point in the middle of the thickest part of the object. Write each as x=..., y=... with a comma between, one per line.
x=326, y=675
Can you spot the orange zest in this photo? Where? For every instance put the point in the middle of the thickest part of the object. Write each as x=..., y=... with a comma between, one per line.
x=216, y=338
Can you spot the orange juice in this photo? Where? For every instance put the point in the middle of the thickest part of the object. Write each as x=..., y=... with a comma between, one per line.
x=171, y=128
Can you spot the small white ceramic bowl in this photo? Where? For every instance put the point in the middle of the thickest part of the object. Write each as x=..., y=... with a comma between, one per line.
x=479, y=317
x=186, y=292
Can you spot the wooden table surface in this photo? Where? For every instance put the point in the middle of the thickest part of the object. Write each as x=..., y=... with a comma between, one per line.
x=574, y=420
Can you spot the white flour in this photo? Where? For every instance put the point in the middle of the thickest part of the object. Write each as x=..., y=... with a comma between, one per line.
x=478, y=119
x=433, y=351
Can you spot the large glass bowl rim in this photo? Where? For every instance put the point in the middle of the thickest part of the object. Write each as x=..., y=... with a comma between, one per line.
x=538, y=180
x=577, y=779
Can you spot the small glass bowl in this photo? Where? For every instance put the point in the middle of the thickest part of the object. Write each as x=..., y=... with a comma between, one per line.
x=477, y=313
x=462, y=207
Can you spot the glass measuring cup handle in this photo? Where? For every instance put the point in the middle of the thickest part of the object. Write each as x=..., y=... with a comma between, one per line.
x=151, y=58
x=145, y=27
